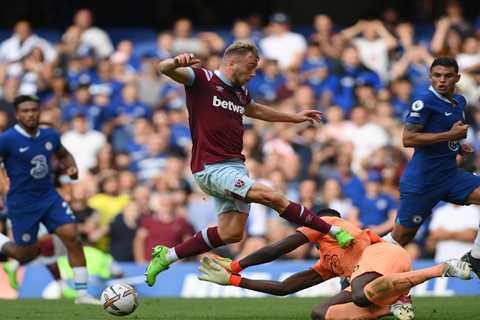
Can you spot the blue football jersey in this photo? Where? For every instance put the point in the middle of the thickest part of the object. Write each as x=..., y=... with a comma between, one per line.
x=435, y=163
x=27, y=161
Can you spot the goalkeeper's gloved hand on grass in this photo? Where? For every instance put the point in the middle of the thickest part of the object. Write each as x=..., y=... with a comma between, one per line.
x=213, y=272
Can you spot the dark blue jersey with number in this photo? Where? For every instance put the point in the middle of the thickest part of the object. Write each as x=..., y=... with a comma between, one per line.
x=435, y=163
x=27, y=161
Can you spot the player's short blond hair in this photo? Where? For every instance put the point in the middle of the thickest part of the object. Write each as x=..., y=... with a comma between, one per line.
x=241, y=48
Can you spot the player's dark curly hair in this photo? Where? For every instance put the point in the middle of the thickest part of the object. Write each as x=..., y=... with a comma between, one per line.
x=24, y=98
x=447, y=62
x=328, y=212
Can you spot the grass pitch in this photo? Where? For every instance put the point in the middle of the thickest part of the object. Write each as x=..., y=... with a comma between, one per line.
x=454, y=308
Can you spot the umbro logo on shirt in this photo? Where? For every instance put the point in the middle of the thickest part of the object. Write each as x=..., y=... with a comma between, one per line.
x=229, y=105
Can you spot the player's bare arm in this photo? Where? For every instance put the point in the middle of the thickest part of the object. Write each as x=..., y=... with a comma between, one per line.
x=263, y=112
x=264, y=255
x=274, y=251
x=294, y=283
x=414, y=136
x=176, y=68
x=213, y=272
x=67, y=162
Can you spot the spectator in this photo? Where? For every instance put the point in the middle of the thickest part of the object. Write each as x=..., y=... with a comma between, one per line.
x=414, y=65
x=359, y=136
x=163, y=227
x=446, y=41
x=83, y=143
x=373, y=46
x=72, y=46
x=122, y=233
x=87, y=217
x=21, y=43
x=108, y=203
x=6, y=101
x=126, y=111
x=184, y=41
x=104, y=83
x=308, y=195
x=450, y=238
x=376, y=210
x=325, y=36
x=164, y=45
x=281, y=44
x=333, y=198
x=92, y=36
x=268, y=81
x=242, y=30
x=315, y=71
x=348, y=74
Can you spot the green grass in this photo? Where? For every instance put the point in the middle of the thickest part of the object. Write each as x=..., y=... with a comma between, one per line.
x=229, y=309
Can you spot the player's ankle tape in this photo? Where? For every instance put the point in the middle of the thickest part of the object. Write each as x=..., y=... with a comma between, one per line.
x=235, y=280
x=235, y=267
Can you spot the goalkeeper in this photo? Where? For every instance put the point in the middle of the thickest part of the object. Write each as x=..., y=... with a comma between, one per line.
x=379, y=272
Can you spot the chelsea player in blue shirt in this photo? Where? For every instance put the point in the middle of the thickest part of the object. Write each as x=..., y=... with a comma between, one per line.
x=435, y=127
x=26, y=151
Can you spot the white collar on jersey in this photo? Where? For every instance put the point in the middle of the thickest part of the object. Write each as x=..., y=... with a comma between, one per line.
x=222, y=77
x=25, y=133
x=439, y=96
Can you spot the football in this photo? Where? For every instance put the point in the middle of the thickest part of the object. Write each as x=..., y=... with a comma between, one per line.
x=119, y=299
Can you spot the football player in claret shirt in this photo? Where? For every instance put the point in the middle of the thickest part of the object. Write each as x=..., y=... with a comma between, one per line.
x=435, y=127
x=380, y=272
x=216, y=103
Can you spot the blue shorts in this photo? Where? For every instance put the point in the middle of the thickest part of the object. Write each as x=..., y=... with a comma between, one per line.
x=416, y=206
x=53, y=212
x=228, y=182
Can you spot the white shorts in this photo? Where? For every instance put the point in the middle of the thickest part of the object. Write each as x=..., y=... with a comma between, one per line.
x=224, y=180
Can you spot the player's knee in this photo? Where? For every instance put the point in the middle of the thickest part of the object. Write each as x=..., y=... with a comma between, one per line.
x=72, y=241
x=232, y=236
x=319, y=312
x=26, y=254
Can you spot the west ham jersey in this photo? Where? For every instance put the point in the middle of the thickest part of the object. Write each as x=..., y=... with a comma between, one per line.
x=215, y=115
x=435, y=163
x=27, y=161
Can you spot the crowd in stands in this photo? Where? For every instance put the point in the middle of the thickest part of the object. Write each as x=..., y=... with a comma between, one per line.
x=127, y=125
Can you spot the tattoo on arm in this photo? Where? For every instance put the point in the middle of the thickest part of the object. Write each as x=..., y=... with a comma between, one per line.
x=411, y=127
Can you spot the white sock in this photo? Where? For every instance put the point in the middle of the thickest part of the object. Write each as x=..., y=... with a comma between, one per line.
x=476, y=246
x=333, y=230
x=80, y=278
x=172, y=255
x=14, y=264
x=388, y=237
x=3, y=240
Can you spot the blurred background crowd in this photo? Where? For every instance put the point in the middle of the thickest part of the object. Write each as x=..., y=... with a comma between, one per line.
x=127, y=126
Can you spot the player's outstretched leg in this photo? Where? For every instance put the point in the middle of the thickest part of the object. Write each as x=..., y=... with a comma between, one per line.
x=230, y=229
x=76, y=258
x=474, y=262
x=296, y=213
x=385, y=290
